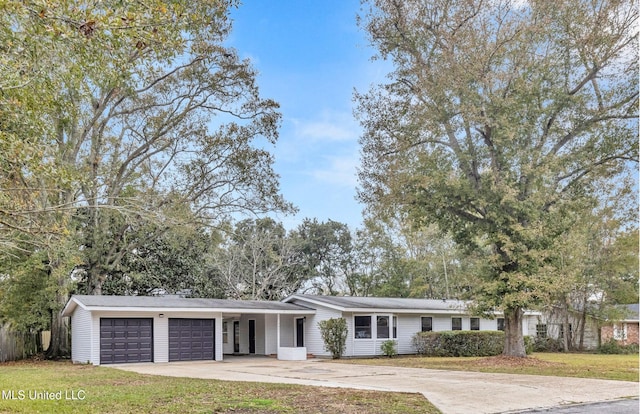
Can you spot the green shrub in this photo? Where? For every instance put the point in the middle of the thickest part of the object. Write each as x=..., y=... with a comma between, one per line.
x=613, y=347
x=334, y=334
x=529, y=345
x=388, y=348
x=547, y=345
x=459, y=343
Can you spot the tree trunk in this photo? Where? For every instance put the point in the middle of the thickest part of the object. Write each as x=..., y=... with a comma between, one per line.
x=565, y=327
x=59, y=342
x=583, y=322
x=513, y=339
x=39, y=347
x=94, y=279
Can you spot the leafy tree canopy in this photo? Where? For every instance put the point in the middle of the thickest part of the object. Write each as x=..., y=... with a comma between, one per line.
x=502, y=122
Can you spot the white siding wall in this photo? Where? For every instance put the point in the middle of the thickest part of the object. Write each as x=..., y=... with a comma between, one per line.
x=271, y=334
x=287, y=329
x=488, y=324
x=227, y=348
x=313, y=339
x=244, y=333
x=408, y=325
x=441, y=323
x=529, y=325
x=95, y=339
x=82, y=331
x=218, y=337
x=161, y=338
x=260, y=348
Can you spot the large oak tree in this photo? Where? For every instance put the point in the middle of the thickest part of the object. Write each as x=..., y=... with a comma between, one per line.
x=500, y=122
x=119, y=115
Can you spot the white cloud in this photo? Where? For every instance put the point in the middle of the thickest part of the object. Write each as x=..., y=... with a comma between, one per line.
x=325, y=131
x=329, y=126
x=340, y=171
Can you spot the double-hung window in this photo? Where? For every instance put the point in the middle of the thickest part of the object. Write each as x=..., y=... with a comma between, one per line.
x=362, y=327
x=475, y=324
x=375, y=326
x=382, y=327
x=427, y=323
x=541, y=330
x=456, y=324
x=620, y=332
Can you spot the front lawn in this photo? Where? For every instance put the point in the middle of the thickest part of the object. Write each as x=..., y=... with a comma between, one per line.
x=61, y=387
x=613, y=367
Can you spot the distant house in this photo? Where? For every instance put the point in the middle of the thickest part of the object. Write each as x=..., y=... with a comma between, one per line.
x=123, y=329
x=583, y=329
x=625, y=331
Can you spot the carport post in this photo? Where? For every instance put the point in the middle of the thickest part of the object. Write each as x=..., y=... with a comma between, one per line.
x=278, y=336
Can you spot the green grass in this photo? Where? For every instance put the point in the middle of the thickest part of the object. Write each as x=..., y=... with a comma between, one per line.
x=108, y=390
x=612, y=367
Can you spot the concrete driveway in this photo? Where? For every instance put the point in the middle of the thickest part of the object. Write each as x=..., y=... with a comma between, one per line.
x=452, y=392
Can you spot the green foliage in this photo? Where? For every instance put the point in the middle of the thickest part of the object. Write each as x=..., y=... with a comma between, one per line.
x=547, y=344
x=329, y=254
x=334, y=335
x=107, y=148
x=416, y=262
x=388, y=348
x=613, y=347
x=25, y=293
x=459, y=343
x=529, y=344
x=502, y=146
x=171, y=261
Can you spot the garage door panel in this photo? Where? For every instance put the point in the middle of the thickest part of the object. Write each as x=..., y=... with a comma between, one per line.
x=191, y=339
x=125, y=340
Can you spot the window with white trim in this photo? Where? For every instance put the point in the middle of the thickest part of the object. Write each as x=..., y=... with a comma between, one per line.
x=456, y=324
x=362, y=328
x=475, y=324
x=382, y=327
x=225, y=332
x=427, y=323
x=395, y=327
x=620, y=331
x=501, y=324
x=541, y=330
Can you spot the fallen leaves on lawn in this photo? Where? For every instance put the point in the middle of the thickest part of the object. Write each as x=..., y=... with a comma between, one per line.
x=509, y=361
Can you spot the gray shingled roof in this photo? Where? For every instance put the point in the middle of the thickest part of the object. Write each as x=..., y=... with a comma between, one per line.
x=632, y=312
x=178, y=302
x=349, y=302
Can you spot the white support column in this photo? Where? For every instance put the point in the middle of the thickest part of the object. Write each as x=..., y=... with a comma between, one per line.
x=278, y=337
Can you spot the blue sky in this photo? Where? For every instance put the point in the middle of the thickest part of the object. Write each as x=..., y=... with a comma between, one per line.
x=310, y=56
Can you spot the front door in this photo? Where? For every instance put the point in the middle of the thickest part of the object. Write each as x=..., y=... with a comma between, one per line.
x=236, y=337
x=252, y=336
x=300, y=332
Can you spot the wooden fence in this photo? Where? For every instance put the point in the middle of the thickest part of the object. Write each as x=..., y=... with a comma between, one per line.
x=20, y=345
